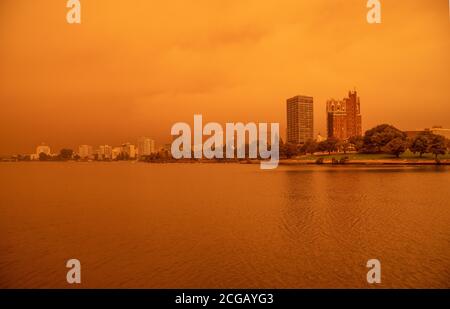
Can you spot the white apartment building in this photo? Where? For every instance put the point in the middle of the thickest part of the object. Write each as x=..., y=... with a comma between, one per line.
x=145, y=146
x=85, y=151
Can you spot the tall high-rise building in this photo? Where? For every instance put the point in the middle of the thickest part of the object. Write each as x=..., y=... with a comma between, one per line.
x=300, y=121
x=344, y=117
x=145, y=146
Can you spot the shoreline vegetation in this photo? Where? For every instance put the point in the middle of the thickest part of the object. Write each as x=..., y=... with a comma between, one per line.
x=335, y=159
x=407, y=158
x=381, y=145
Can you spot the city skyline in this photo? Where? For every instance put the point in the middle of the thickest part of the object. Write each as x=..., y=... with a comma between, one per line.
x=343, y=118
x=145, y=146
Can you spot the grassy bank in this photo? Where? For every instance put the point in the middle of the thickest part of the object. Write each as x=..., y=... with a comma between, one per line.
x=367, y=157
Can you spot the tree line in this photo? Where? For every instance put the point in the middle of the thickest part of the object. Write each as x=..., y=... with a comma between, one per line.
x=383, y=138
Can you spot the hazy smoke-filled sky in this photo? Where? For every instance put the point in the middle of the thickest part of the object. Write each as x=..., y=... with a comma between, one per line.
x=134, y=68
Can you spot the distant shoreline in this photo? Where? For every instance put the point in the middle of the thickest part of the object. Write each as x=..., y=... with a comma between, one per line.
x=284, y=162
x=366, y=162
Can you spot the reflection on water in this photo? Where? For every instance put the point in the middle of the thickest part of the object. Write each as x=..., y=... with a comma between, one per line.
x=223, y=225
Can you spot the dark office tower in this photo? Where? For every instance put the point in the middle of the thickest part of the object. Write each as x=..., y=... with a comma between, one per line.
x=300, y=122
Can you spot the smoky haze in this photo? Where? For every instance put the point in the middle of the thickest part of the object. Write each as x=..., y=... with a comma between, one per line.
x=134, y=68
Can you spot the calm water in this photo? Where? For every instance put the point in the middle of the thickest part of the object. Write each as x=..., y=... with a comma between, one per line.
x=223, y=226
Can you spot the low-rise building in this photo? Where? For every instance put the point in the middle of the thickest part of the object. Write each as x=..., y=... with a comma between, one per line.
x=104, y=152
x=85, y=152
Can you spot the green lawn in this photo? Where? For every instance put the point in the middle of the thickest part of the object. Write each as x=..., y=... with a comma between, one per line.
x=359, y=156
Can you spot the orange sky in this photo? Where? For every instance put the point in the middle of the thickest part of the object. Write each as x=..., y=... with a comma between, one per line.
x=135, y=67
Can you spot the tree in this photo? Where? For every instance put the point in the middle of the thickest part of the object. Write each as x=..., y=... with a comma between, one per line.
x=344, y=146
x=376, y=138
x=43, y=157
x=328, y=145
x=357, y=142
x=420, y=143
x=397, y=146
x=290, y=150
x=66, y=154
x=437, y=145
x=23, y=157
x=310, y=146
